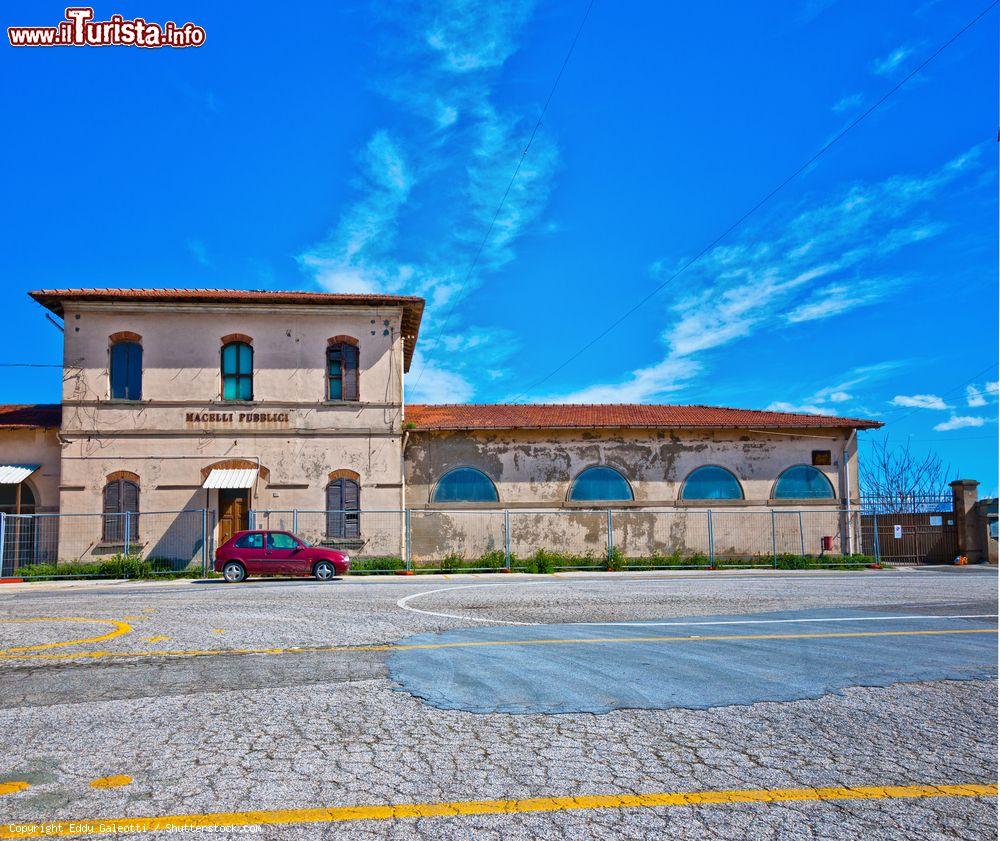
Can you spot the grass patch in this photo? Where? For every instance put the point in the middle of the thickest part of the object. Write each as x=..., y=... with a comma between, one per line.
x=116, y=566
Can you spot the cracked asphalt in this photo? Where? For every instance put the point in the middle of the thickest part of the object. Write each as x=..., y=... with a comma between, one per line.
x=319, y=720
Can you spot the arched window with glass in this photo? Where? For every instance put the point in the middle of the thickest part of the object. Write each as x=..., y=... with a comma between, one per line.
x=711, y=482
x=803, y=481
x=237, y=371
x=125, y=368
x=465, y=484
x=600, y=484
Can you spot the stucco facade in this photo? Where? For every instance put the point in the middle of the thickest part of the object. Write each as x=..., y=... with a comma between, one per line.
x=176, y=441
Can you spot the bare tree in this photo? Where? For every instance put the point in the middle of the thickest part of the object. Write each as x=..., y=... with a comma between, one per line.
x=899, y=479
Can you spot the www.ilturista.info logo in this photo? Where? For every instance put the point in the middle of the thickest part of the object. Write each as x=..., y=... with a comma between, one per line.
x=81, y=30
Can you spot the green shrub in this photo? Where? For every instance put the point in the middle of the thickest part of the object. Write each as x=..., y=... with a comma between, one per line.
x=451, y=563
x=376, y=565
x=493, y=560
x=616, y=560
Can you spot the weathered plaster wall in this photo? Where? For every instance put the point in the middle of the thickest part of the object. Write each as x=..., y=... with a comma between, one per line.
x=536, y=468
x=35, y=446
x=181, y=365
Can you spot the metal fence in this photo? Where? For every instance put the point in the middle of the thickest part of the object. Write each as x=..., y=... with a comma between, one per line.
x=170, y=542
x=106, y=545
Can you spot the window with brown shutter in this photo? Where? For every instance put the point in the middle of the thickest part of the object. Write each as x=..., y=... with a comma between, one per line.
x=343, y=517
x=121, y=498
x=342, y=372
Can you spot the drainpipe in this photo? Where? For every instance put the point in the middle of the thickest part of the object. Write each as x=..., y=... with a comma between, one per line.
x=845, y=467
x=402, y=493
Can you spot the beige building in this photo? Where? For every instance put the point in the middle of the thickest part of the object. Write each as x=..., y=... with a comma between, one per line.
x=183, y=411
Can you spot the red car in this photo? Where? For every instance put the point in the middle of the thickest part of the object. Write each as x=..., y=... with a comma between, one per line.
x=276, y=553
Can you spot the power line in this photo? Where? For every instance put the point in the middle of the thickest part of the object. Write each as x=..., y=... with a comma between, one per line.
x=950, y=391
x=27, y=365
x=503, y=199
x=822, y=151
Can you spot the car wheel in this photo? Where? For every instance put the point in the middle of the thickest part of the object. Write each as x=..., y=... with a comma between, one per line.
x=324, y=571
x=234, y=572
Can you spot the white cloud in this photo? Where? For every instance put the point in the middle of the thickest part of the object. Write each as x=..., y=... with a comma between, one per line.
x=920, y=401
x=848, y=103
x=836, y=298
x=437, y=385
x=839, y=397
x=889, y=64
x=805, y=408
x=828, y=259
x=959, y=422
x=974, y=397
x=199, y=251
x=992, y=388
x=428, y=190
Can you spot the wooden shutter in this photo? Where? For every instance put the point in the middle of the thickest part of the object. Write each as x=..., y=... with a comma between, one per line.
x=134, y=379
x=113, y=526
x=335, y=508
x=352, y=502
x=349, y=357
x=130, y=505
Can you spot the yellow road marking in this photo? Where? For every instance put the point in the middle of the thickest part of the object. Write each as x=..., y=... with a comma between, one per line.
x=114, y=781
x=218, y=630
x=215, y=652
x=120, y=629
x=157, y=638
x=13, y=787
x=339, y=814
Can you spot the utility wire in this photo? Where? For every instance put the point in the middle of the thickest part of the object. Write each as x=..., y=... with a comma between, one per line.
x=822, y=151
x=510, y=185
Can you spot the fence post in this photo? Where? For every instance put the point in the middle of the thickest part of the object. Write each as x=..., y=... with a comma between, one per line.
x=878, y=549
x=204, y=542
x=802, y=537
x=409, y=556
x=611, y=539
x=774, y=542
x=711, y=541
x=295, y=521
x=506, y=538
x=3, y=540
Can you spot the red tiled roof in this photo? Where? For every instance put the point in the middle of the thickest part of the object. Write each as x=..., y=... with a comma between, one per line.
x=30, y=416
x=413, y=307
x=570, y=416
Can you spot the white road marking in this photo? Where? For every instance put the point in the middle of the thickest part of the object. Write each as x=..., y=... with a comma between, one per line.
x=403, y=603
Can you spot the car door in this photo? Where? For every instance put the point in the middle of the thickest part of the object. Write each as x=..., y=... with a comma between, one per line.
x=249, y=548
x=281, y=552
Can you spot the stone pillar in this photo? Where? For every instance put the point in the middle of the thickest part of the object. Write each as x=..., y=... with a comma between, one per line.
x=964, y=497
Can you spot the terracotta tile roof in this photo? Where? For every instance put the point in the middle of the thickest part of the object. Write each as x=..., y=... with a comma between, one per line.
x=570, y=416
x=413, y=307
x=30, y=415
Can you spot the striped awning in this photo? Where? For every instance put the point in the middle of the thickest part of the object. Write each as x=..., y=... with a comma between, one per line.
x=14, y=474
x=242, y=478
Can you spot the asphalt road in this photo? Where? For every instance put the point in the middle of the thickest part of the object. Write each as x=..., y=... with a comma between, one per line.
x=322, y=708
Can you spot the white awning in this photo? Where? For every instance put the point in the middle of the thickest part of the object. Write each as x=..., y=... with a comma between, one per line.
x=14, y=474
x=243, y=478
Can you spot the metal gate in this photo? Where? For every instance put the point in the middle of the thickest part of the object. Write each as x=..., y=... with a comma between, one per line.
x=915, y=536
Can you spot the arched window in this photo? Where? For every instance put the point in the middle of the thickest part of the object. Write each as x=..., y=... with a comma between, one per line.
x=126, y=370
x=237, y=371
x=342, y=368
x=711, y=482
x=802, y=482
x=600, y=484
x=121, y=507
x=465, y=484
x=343, y=504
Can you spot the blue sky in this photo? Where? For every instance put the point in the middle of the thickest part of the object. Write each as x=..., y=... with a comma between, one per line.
x=366, y=147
